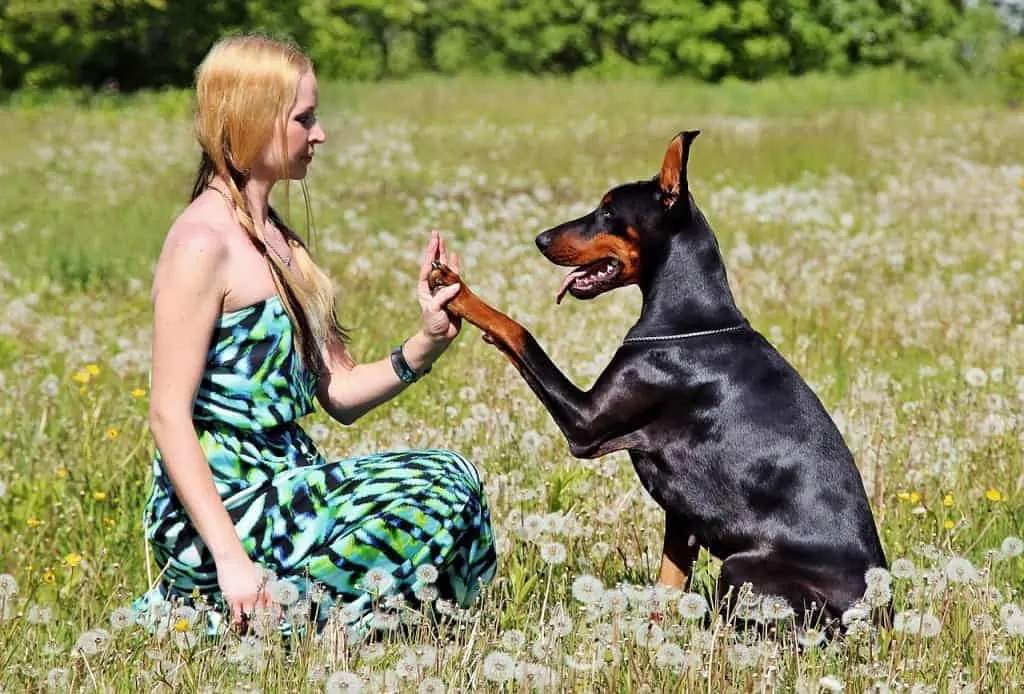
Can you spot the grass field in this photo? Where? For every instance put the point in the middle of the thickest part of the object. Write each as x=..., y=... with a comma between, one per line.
x=871, y=228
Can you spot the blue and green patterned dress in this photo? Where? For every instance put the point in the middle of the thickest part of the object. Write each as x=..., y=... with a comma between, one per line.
x=317, y=523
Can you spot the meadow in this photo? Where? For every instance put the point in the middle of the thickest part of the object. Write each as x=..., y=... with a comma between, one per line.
x=871, y=228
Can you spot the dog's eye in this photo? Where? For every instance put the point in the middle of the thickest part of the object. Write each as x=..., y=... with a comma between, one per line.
x=607, y=213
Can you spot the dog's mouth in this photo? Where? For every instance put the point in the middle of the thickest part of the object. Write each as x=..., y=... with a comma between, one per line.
x=587, y=281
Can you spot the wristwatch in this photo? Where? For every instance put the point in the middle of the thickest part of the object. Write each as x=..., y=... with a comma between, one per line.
x=405, y=372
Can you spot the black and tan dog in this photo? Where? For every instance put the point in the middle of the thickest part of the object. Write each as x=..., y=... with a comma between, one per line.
x=723, y=432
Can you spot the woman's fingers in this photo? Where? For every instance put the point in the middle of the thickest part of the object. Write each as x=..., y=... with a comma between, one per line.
x=429, y=255
x=446, y=294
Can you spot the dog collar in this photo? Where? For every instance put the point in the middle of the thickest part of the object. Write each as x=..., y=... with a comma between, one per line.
x=683, y=336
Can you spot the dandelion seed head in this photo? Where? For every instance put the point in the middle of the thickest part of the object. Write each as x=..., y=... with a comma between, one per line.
x=975, y=377
x=776, y=608
x=427, y=593
x=669, y=655
x=534, y=675
x=426, y=574
x=372, y=652
x=121, y=618
x=499, y=667
x=92, y=642
x=692, y=606
x=830, y=683
x=877, y=594
x=915, y=622
x=284, y=593
x=960, y=570
x=855, y=614
x=553, y=553
x=981, y=623
x=513, y=640
x=877, y=575
x=378, y=581
x=648, y=635
x=57, y=679
x=587, y=589
x=741, y=656
x=343, y=682
x=614, y=601
x=431, y=685
x=560, y=624
x=903, y=568
x=809, y=637
x=1015, y=625
x=8, y=586
x=1011, y=547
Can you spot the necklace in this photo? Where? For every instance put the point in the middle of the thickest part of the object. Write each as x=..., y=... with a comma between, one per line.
x=287, y=261
x=684, y=336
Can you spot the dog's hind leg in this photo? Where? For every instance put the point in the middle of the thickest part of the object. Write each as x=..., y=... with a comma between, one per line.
x=816, y=596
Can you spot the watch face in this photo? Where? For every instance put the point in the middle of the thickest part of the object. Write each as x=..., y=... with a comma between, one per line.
x=401, y=366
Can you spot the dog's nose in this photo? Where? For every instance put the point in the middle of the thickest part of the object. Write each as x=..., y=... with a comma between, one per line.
x=544, y=240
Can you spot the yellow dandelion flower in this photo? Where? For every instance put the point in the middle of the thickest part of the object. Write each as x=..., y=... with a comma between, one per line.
x=61, y=472
x=139, y=393
x=994, y=495
x=903, y=496
x=48, y=576
x=33, y=523
x=83, y=390
x=914, y=497
x=113, y=433
x=947, y=500
x=99, y=496
x=109, y=522
x=93, y=370
x=182, y=625
x=948, y=525
x=73, y=559
x=81, y=377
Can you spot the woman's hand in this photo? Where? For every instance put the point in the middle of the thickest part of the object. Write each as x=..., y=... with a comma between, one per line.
x=244, y=588
x=438, y=325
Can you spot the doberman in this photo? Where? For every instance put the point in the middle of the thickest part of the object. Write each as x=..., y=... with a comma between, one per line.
x=723, y=432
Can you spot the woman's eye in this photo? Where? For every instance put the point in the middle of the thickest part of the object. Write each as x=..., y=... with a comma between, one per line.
x=307, y=119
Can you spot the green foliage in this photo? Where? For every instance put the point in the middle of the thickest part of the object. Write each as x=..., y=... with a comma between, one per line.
x=1011, y=72
x=145, y=43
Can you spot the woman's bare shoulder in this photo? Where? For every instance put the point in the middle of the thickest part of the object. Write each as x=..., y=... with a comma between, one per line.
x=197, y=244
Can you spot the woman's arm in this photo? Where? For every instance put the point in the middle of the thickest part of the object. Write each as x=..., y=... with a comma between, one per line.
x=347, y=391
x=187, y=301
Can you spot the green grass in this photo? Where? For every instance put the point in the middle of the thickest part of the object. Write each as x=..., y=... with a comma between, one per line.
x=870, y=228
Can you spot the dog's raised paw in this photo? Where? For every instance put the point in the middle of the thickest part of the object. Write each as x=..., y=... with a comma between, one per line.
x=441, y=276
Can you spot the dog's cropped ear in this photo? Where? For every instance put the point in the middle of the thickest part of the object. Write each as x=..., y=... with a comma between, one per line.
x=672, y=179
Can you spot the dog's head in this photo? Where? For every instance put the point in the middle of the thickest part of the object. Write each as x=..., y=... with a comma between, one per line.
x=633, y=222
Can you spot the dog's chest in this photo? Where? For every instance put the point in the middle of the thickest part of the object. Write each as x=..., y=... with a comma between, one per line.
x=660, y=481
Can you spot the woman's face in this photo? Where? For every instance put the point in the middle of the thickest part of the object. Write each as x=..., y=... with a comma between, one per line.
x=302, y=132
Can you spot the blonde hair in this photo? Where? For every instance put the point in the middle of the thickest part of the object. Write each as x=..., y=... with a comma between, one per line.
x=245, y=88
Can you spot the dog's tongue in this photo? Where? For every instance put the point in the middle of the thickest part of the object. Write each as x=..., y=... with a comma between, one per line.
x=567, y=282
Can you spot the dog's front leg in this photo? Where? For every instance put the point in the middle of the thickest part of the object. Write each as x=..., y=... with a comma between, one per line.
x=679, y=552
x=605, y=419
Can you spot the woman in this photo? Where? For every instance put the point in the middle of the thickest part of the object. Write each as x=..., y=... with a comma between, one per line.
x=244, y=337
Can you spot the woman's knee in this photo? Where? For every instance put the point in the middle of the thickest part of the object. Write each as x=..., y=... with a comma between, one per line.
x=460, y=469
